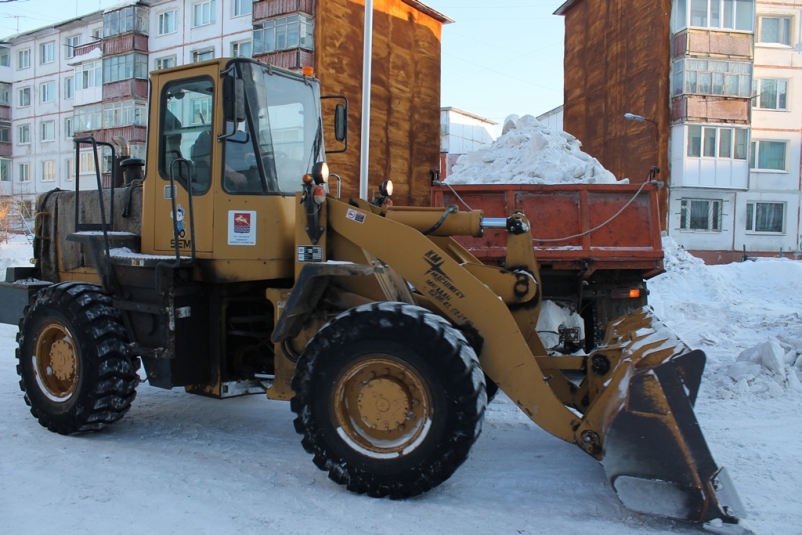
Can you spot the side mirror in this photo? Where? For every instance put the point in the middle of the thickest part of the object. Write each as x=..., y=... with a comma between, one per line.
x=233, y=99
x=340, y=123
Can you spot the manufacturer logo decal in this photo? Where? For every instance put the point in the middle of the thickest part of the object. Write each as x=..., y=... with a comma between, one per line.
x=353, y=215
x=440, y=286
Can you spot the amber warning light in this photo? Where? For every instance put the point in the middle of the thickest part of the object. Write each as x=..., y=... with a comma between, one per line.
x=633, y=293
x=309, y=71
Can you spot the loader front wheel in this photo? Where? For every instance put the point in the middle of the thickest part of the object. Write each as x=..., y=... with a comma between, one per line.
x=72, y=362
x=389, y=399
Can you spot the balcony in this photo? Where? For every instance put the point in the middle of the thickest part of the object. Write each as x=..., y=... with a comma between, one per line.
x=288, y=59
x=734, y=45
x=698, y=108
x=265, y=9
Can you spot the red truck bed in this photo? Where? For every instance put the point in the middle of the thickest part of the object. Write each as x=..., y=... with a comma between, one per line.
x=629, y=242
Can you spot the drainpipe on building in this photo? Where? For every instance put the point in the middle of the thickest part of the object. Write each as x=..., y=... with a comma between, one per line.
x=367, y=60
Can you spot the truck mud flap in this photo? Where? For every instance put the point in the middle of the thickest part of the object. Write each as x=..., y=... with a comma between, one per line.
x=654, y=451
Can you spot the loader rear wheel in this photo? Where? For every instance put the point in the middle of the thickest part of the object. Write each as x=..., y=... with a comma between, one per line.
x=389, y=399
x=72, y=362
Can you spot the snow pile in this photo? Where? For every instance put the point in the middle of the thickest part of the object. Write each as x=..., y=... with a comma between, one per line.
x=744, y=316
x=528, y=152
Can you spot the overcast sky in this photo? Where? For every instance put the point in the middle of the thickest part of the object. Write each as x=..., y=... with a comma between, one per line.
x=498, y=59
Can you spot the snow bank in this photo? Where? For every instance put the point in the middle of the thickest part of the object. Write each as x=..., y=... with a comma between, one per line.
x=528, y=152
x=745, y=316
x=16, y=251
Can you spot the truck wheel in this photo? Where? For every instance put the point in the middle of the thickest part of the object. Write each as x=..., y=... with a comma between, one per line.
x=389, y=399
x=72, y=364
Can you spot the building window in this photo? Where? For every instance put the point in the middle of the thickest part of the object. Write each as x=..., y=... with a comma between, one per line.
x=71, y=44
x=283, y=33
x=24, y=97
x=5, y=94
x=49, y=170
x=69, y=87
x=770, y=94
x=243, y=7
x=86, y=119
x=711, y=77
x=241, y=49
x=68, y=169
x=47, y=52
x=765, y=217
x=68, y=131
x=768, y=155
x=724, y=14
x=201, y=111
x=48, y=130
x=23, y=134
x=5, y=170
x=125, y=20
x=701, y=214
x=203, y=13
x=47, y=92
x=125, y=67
x=5, y=57
x=202, y=55
x=87, y=162
x=165, y=63
x=717, y=142
x=5, y=132
x=776, y=30
x=24, y=58
x=24, y=172
x=97, y=34
x=88, y=75
x=125, y=113
x=167, y=22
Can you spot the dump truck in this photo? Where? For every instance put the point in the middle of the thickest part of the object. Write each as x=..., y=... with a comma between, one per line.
x=223, y=264
x=596, y=244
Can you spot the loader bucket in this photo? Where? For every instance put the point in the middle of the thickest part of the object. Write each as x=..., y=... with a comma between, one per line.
x=654, y=451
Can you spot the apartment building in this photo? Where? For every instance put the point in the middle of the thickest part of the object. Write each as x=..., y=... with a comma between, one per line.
x=714, y=82
x=89, y=76
x=461, y=132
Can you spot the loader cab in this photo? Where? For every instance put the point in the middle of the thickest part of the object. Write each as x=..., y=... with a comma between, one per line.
x=238, y=136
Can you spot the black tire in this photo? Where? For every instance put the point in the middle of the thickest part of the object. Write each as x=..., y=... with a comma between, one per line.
x=72, y=359
x=381, y=358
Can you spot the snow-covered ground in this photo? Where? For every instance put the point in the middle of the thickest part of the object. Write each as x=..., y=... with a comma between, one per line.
x=179, y=463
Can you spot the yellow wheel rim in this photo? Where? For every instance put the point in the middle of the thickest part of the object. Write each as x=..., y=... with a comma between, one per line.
x=56, y=363
x=382, y=406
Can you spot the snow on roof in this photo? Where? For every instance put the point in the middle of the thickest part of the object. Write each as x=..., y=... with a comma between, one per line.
x=529, y=152
x=95, y=53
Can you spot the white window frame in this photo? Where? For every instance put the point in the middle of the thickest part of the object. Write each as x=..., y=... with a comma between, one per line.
x=70, y=167
x=47, y=52
x=730, y=151
x=24, y=134
x=754, y=156
x=48, y=170
x=196, y=54
x=5, y=170
x=689, y=76
x=47, y=92
x=267, y=35
x=47, y=131
x=781, y=94
x=5, y=57
x=87, y=161
x=236, y=49
x=5, y=132
x=241, y=8
x=786, y=30
x=5, y=94
x=24, y=103
x=71, y=43
x=682, y=16
x=167, y=22
x=751, y=217
x=69, y=87
x=24, y=172
x=204, y=13
x=158, y=63
x=714, y=215
x=68, y=131
x=88, y=75
x=23, y=59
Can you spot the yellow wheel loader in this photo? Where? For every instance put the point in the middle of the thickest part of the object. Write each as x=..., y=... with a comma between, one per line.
x=224, y=265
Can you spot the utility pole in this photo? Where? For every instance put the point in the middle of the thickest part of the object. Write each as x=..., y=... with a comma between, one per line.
x=367, y=63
